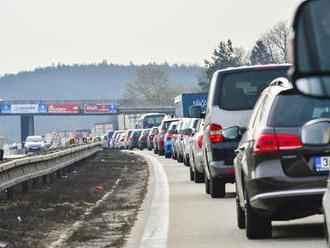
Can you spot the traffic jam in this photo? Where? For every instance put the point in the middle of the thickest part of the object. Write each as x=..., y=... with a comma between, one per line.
x=264, y=128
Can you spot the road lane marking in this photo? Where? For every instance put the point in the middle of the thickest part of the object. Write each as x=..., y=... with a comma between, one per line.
x=156, y=230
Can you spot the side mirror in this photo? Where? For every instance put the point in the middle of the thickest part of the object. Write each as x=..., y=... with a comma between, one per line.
x=231, y=133
x=310, y=50
x=316, y=132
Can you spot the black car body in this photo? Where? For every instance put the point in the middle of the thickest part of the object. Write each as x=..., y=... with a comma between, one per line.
x=277, y=177
x=232, y=96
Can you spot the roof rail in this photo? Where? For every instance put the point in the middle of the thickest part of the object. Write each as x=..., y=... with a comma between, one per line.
x=284, y=82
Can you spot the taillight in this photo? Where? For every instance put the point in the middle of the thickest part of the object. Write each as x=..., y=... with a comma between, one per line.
x=144, y=138
x=268, y=143
x=288, y=142
x=215, y=133
x=200, y=141
x=169, y=136
x=181, y=136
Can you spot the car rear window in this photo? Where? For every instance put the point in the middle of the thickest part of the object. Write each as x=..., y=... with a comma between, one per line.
x=240, y=90
x=291, y=110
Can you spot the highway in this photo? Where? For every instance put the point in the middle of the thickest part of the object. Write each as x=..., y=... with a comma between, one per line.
x=177, y=213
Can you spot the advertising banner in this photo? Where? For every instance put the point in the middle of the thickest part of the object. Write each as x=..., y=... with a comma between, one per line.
x=24, y=108
x=63, y=109
x=100, y=108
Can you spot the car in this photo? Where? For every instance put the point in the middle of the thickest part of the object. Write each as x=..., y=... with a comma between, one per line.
x=142, y=143
x=121, y=141
x=34, y=144
x=188, y=135
x=178, y=146
x=150, y=139
x=105, y=141
x=168, y=139
x=277, y=176
x=232, y=96
x=162, y=129
x=114, y=137
x=134, y=139
x=127, y=137
x=196, y=155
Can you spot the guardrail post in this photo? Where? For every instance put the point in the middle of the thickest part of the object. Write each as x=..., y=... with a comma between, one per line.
x=45, y=179
x=25, y=186
x=35, y=182
x=58, y=174
x=10, y=194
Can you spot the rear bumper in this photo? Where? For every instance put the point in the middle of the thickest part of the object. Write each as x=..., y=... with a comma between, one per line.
x=219, y=170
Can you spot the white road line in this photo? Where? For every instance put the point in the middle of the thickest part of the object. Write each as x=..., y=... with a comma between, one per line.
x=156, y=230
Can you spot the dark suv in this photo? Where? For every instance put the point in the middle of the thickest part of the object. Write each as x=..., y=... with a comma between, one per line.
x=232, y=96
x=277, y=177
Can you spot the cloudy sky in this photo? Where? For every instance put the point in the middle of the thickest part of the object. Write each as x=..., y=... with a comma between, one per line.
x=41, y=32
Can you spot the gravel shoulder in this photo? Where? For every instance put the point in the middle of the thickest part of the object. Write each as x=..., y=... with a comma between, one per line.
x=39, y=217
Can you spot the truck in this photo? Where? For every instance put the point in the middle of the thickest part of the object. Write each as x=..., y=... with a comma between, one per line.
x=184, y=101
x=126, y=122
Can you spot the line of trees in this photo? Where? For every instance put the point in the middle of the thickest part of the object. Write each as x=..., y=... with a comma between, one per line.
x=270, y=48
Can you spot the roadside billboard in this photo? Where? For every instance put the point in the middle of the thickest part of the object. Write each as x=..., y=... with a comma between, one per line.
x=24, y=108
x=100, y=108
x=63, y=109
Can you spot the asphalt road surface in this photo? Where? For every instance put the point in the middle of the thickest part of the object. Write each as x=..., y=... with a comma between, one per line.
x=178, y=213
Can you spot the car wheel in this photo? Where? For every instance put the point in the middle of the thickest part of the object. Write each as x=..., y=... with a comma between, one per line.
x=207, y=184
x=240, y=215
x=217, y=188
x=167, y=155
x=198, y=177
x=191, y=174
x=155, y=151
x=180, y=158
x=257, y=226
x=185, y=161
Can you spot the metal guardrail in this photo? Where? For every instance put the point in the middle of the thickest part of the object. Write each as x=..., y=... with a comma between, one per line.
x=27, y=168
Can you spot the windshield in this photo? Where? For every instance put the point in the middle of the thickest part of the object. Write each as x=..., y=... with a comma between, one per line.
x=296, y=110
x=152, y=121
x=34, y=139
x=245, y=87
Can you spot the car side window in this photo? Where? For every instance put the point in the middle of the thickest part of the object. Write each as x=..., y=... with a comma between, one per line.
x=255, y=112
x=262, y=111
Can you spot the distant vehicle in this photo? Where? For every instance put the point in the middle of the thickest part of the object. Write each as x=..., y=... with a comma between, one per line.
x=188, y=135
x=196, y=155
x=172, y=130
x=185, y=101
x=34, y=144
x=150, y=140
x=277, y=176
x=163, y=127
x=105, y=140
x=121, y=141
x=233, y=94
x=150, y=120
x=113, y=139
x=127, y=137
x=178, y=142
x=134, y=139
x=143, y=139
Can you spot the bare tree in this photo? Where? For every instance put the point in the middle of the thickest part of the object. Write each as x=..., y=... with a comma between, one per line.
x=276, y=40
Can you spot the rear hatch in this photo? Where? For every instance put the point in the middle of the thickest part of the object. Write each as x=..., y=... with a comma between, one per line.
x=289, y=113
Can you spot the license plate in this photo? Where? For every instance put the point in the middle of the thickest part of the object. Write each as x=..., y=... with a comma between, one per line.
x=322, y=164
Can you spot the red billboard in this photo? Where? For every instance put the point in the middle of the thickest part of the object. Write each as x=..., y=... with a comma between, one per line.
x=63, y=109
x=96, y=108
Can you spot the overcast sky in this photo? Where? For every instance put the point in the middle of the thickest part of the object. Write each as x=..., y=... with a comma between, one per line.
x=40, y=32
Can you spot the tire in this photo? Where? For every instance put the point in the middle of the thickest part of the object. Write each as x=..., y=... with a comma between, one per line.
x=192, y=174
x=185, y=160
x=180, y=158
x=257, y=226
x=155, y=151
x=240, y=215
x=167, y=155
x=217, y=188
x=198, y=177
x=207, y=184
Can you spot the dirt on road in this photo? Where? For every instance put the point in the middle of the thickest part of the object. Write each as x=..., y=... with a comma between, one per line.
x=100, y=198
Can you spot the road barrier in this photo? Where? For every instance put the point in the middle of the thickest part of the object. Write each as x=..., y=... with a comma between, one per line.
x=28, y=168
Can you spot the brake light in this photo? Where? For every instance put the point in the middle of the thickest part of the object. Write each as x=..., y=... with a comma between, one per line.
x=268, y=143
x=181, y=136
x=169, y=136
x=200, y=141
x=288, y=142
x=144, y=138
x=215, y=133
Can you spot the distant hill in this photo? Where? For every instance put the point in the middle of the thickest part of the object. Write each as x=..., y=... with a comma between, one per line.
x=92, y=81
x=76, y=82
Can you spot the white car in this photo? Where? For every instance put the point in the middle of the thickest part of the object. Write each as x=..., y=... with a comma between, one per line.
x=34, y=144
